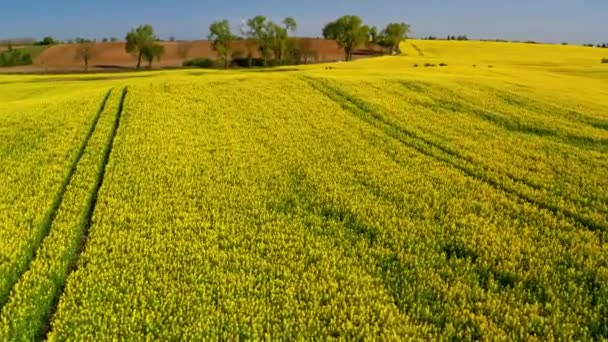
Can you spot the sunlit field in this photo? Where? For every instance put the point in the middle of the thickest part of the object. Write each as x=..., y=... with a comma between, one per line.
x=457, y=191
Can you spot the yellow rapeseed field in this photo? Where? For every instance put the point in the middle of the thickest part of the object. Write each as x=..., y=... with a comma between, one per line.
x=459, y=191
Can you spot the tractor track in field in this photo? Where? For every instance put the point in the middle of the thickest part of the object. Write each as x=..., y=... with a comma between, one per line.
x=88, y=215
x=51, y=213
x=375, y=119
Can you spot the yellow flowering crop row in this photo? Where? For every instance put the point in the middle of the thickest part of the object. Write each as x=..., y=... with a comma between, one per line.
x=258, y=207
x=27, y=313
x=552, y=156
x=373, y=200
x=40, y=142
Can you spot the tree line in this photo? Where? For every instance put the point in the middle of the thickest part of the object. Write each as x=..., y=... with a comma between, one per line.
x=274, y=42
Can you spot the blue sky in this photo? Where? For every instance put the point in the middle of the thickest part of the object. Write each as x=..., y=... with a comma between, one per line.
x=574, y=21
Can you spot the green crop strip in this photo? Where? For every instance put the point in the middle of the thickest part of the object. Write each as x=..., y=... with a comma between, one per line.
x=45, y=225
x=377, y=119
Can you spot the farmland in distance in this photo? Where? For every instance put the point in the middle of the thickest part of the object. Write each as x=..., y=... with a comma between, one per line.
x=457, y=191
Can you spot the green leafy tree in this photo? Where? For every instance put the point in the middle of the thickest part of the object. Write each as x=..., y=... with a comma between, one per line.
x=259, y=32
x=349, y=32
x=151, y=52
x=393, y=35
x=276, y=36
x=373, y=34
x=222, y=38
x=288, y=45
x=140, y=40
x=290, y=24
x=47, y=41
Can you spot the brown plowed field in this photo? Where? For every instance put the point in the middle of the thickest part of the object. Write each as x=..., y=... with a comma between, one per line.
x=112, y=56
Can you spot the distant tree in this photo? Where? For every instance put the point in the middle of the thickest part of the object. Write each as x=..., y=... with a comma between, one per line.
x=222, y=37
x=9, y=46
x=289, y=44
x=171, y=39
x=279, y=40
x=142, y=40
x=85, y=51
x=373, y=34
x=47, y=41
x=276, y=38
x=348, y=31
x=183, y=49
x=393, y=35
x=249, y=41
x=236, y=54
x=151, y=52
x=306, y=50
x=113, y=39
x=104, y=40
x=290, y=24
x=259, y=32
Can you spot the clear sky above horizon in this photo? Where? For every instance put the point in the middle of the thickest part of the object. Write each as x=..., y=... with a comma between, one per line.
x=574, y=21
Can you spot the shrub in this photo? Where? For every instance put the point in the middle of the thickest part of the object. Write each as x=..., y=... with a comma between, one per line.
x=47, y=41
x=605, y=60
x=429, y=65
x=415, y=65
x=200, y=63
x=443, y=65
x=243, y=62
x=15, y=57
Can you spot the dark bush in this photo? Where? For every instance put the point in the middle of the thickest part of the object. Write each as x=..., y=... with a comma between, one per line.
x=47, y=41
x=243, y=62
x=429, y=65
x=415, y=65
x=605, y=60
x=200, y=63
x=443, y=65
x=15, y=57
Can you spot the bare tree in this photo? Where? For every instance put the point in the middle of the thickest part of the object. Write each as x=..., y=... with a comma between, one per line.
x=85, y=51
x=306, y=50
x=183, y=49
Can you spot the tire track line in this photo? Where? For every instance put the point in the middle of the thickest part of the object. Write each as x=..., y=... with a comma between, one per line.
x=45, y=225
x=424, y=146
x=88, y=215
